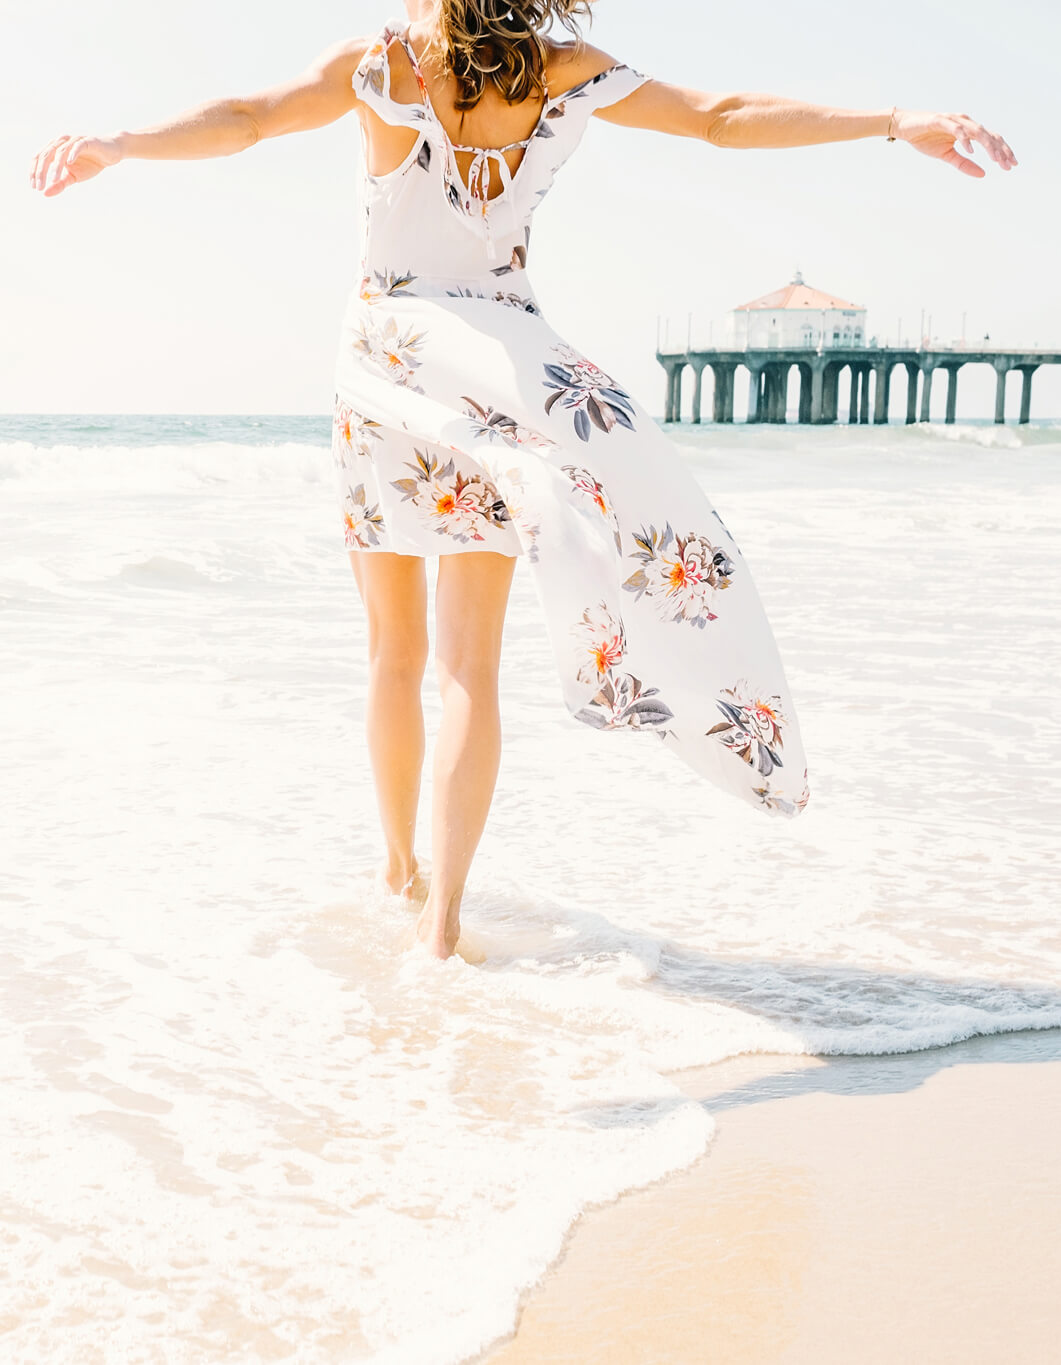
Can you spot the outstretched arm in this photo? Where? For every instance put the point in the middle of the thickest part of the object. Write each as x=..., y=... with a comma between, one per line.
x=749, y=119
x=319, y=95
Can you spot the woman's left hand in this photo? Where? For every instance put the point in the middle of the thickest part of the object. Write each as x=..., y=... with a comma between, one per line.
x=936, y=134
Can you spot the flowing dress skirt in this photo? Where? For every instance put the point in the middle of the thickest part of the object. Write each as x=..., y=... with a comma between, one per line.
x=464, y=422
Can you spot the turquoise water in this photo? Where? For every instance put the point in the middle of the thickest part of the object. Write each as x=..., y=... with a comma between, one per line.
x=181, y=429
x=162, y=429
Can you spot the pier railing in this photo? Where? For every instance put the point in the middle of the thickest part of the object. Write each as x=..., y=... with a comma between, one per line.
x=819, y=382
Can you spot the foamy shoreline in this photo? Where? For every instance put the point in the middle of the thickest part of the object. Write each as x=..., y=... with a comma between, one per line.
x=233, y=1109
x=868, y=1209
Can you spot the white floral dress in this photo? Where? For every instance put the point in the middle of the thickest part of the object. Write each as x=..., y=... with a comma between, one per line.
x=463, y=422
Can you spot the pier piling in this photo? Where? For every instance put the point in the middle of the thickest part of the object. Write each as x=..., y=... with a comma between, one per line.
x=819, y=381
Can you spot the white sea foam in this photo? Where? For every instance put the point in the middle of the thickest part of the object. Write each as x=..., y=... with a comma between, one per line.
x=242, y=1113
x=66, y=468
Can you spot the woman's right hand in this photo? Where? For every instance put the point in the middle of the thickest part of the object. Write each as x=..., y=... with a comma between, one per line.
x=70, y=160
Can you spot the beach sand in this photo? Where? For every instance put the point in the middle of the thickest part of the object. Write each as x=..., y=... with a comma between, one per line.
x=851, y=1209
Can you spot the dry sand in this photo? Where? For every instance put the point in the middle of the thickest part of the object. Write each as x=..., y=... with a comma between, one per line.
x=850, y=1211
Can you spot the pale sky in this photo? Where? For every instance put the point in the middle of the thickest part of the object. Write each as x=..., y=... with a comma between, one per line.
x=218, y=286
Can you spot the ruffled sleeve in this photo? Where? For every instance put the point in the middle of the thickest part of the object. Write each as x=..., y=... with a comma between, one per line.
x=607, y=87
x=372, y=83
x=566, y=115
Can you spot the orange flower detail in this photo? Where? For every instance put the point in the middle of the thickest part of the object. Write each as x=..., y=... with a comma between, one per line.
x=606, y=653
x=680, y=575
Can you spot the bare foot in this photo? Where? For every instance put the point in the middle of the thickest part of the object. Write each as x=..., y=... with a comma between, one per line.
x=439, y=937
x=409, y=885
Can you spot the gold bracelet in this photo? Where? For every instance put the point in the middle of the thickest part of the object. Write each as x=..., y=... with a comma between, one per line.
x=891, y=135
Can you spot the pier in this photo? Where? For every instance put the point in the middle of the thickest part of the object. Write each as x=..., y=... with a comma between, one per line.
x=819, y=380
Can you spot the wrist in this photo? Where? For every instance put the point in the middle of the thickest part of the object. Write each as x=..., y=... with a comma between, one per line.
x=891, y=120
x=121, y=144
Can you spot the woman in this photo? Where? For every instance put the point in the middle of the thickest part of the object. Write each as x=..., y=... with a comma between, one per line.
x=465, y=427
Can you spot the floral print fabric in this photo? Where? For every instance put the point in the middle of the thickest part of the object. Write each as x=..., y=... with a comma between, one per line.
x=463, y=422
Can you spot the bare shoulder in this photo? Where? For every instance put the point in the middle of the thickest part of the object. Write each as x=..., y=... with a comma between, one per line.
x=569, y=65
x=330, y=75
x=337, y=63
x=320, y=93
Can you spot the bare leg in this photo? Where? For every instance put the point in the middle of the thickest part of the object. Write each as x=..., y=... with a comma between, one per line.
x=470, y=604
x=393, y=589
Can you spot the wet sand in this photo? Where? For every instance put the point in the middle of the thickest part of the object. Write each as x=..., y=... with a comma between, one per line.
x=850, y=1209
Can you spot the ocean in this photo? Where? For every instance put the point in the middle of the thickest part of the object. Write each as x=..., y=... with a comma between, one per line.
x=242, y=1121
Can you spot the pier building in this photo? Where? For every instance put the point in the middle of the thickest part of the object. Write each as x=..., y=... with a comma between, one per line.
x=821, y=335
x=796, y=315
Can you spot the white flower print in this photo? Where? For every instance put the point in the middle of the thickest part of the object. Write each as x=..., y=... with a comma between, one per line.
x=752, y=727
x=580, y=385
x=387, y=284
x=603, y=643
x=451, y=503
x=393, y=350
x=352, y=434
x=517, y=301
x=774, y=801
x=498, y=426
x=362, y=523
x=372, y=66
x=591, y=488
x=510, y=485
x=624, y=702
x=681, y=574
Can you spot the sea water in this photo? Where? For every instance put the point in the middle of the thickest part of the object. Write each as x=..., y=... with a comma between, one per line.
x=241, y=1120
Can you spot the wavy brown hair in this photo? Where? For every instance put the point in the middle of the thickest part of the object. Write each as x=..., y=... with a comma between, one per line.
x=502, y=42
